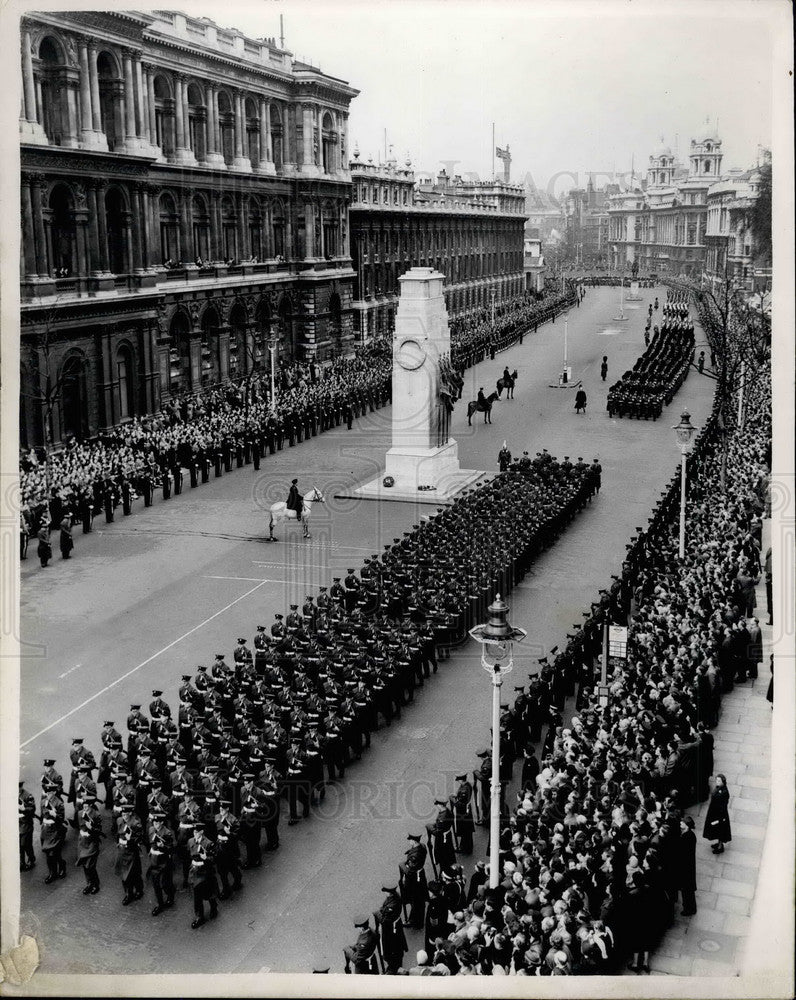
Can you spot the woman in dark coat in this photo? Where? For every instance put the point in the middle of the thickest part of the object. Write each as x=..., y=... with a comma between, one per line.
x=580, y=401
x=717, y=821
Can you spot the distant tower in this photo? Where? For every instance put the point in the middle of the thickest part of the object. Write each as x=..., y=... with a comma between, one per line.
x=706, y=155
x=660, y=172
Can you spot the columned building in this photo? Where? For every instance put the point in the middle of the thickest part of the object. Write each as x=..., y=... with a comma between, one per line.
x=731, y=246
x=472, y=232
x=661, y=224
x=185, y=197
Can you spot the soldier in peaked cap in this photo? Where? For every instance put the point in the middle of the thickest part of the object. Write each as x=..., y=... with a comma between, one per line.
x=362, y=954
x=88, y=843
x=202, y=875
x=462, y=814
x=414, y=890
x=50, y=776
x=53, y=829
x=390, y=930
x=227, y=852
x=26, y=809
x=158, y=708
x=337, y=591
x=128, y=854
x=161, y=861
x=352, y=588
x=441, y=836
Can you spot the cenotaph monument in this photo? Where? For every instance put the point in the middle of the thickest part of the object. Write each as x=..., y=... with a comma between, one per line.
x=423, y=463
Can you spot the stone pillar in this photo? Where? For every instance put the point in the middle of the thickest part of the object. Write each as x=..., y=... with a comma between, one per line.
x=28, y=239
x=80, y=217
x=71, y=83
x=265, y=131
x=186, y=250
x=129, y=99
x=214, y=155
x=309, y=231
x=86, y=122
x=93, y=78
x=241, y=162
x=30, y=129
x=146, y=226
x=149, y=96
x=93, y=228
x=102, y=226
x=179, y=128
x=309, y=162
x=143, y=115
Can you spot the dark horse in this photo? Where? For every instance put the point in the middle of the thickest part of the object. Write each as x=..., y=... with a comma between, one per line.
x=508, y=385
x=475, y=407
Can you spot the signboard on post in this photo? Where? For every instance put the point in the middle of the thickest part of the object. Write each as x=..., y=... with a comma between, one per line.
x=617, y=641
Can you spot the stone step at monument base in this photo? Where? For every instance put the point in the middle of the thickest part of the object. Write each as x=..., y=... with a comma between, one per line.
x=445, y=491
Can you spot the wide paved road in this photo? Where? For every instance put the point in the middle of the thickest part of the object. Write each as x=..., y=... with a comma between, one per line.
x=155, y=594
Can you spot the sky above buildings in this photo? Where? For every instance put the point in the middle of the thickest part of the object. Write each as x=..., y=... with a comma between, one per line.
x=571, y=86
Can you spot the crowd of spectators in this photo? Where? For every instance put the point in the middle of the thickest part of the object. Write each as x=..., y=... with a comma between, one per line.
x=195, y=434
x=658, y=374
x=597, y=847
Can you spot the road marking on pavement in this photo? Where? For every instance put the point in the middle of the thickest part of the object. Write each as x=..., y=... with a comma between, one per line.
x=250, y=579
x=69, y=671
x=143, y=663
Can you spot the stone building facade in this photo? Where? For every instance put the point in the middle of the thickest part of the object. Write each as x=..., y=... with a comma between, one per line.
x=732, y=253
x=185, y=197
x=471, y=231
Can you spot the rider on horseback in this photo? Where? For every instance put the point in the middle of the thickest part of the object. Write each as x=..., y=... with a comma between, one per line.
x=482, y=400
x=295, y=501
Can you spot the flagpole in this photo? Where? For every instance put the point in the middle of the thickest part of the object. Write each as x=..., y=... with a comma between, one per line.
x=493, y=151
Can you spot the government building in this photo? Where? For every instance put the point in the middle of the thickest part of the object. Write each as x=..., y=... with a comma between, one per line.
x=470, y=231
x=185, y=198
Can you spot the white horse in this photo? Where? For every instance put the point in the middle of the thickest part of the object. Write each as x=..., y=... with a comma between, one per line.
x=281, y=512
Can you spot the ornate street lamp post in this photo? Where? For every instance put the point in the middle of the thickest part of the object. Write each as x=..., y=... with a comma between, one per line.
x=497, y=638
x=685, y=433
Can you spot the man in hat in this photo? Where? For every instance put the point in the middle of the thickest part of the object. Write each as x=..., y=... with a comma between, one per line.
x=352, y=589
x=390, y=929
x=128, y=855
x=88, y=843
x=227, y=852
x=362, y=954
x=477, y=879
x=414, y=890
x=162, y=846
x=202, y=875
x=53, y=827
x=504, y=458
x=65, y=541
x=158, y=708
x=295, y=500
x=78, y=755
x=462, y=815
x=26, y=809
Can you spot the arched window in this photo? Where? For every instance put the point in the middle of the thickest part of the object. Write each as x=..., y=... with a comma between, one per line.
x=335, y=323
x=276, y=136
x=229, y=229
x=111, y=88
x=255, y=229
x=74, y=397
x=125, y=397
x=328, y=140
x=197, y=121
x=279, y=229
x=331, y=231
x=211, y=371
x=239, y=361
x=706, y=167
x=164, y=115
x=54, y=106
x=62, y=231
x=180, y=353
x=201, y=228
x=260, y=334
x=226, y=126
x=286, y=345
x=116, y=227
x=168, y=230
x=252, y=131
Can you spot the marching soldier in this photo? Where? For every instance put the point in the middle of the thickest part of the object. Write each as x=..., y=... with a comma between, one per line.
x=161, y=865
x=128, y=855
x=88, y=844
x=202, y=875
x=227, y=856
x=53, y=829
x=26, y=809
